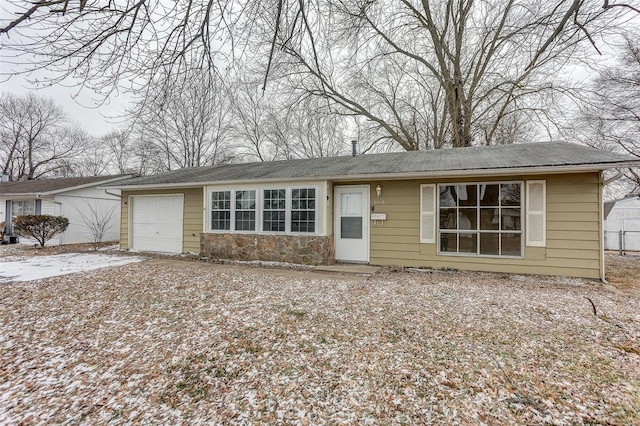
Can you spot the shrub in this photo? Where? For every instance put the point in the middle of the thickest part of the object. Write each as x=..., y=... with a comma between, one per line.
x=41, y=227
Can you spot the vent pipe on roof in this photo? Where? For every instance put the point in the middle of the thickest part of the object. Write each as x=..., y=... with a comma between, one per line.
x=354, y=149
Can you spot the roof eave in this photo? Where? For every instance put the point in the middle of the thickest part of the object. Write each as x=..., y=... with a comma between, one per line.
x=24, y=194
x=503, y=171
x=86, y=185
x=61, y=190
x=534, y=170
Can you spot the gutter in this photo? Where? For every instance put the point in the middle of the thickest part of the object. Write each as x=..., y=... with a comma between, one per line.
x=545, y=170
x=88, y=185
x=71, y=188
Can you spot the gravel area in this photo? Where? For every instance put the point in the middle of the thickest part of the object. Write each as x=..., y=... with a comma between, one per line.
x=178, y=342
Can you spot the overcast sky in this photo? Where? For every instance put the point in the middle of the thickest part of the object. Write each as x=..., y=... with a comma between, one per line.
x=86, y=108
x=83, y=108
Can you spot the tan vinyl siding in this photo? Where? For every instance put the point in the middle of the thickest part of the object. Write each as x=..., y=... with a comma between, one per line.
x=572, y=241
x=192, y=219
x=573, y=244
x=328, y=213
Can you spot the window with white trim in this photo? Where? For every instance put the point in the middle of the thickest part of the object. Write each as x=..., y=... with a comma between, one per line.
x=482, y=219
x=221, y=210
x=303, y=210
x=269, y=210
x=22, y=208
x=274, y=210
x=245, y=212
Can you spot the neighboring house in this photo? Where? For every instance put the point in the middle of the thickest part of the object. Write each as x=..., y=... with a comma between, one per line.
x=529, y=208
x=78, y=199
x=622, y=216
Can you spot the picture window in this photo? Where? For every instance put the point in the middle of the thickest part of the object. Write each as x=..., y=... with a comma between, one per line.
x=480, y=219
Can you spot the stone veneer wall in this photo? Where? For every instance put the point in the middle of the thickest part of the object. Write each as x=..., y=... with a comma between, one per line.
x=303, y=249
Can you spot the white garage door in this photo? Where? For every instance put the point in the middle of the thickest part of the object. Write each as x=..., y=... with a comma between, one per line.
x=157, y=223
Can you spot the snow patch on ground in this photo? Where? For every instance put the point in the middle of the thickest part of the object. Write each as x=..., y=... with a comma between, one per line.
x=112, y=247
x=41, y=267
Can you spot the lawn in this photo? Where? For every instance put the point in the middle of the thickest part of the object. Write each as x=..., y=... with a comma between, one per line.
x=172, y=341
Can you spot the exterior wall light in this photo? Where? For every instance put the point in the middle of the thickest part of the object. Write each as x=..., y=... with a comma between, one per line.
x=379, y=190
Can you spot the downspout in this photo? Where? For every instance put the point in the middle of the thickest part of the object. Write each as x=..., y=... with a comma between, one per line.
x=113, y=194
x=119, y=196
x=613, y=178
x=603, y=182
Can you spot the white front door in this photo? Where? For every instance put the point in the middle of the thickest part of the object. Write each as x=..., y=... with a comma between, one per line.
x=352, y=223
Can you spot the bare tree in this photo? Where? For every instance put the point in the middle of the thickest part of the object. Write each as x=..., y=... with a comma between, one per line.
x=110, y=45
x=313, y=130
x=118, y=143
x=427, y=74
x=92, y=157
x=35, y=140
x=131, y=153
x=273, y=126
x=186, y=119
x=255, y=124
x=448, y=71
x=612, y=120
x=97, y=219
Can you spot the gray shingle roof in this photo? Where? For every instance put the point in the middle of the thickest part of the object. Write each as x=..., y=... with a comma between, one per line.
x=43, y=186
x=533, y=155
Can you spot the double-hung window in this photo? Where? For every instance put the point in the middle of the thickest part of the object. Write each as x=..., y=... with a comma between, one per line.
x=22, y=208
x=303, y=210
x=221, y=210
x=267, y=209
x=245, y=212
x=274, y=210
x=483, y=219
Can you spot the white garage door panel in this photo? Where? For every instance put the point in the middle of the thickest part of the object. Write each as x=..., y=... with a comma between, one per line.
x=157, y=223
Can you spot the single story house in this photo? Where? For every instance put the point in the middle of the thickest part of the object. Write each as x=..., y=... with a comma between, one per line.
x=526, y=208
x=79, y=199
x=622, y=224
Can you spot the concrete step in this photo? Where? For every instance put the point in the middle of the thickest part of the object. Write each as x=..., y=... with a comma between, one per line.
x=348, y=268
